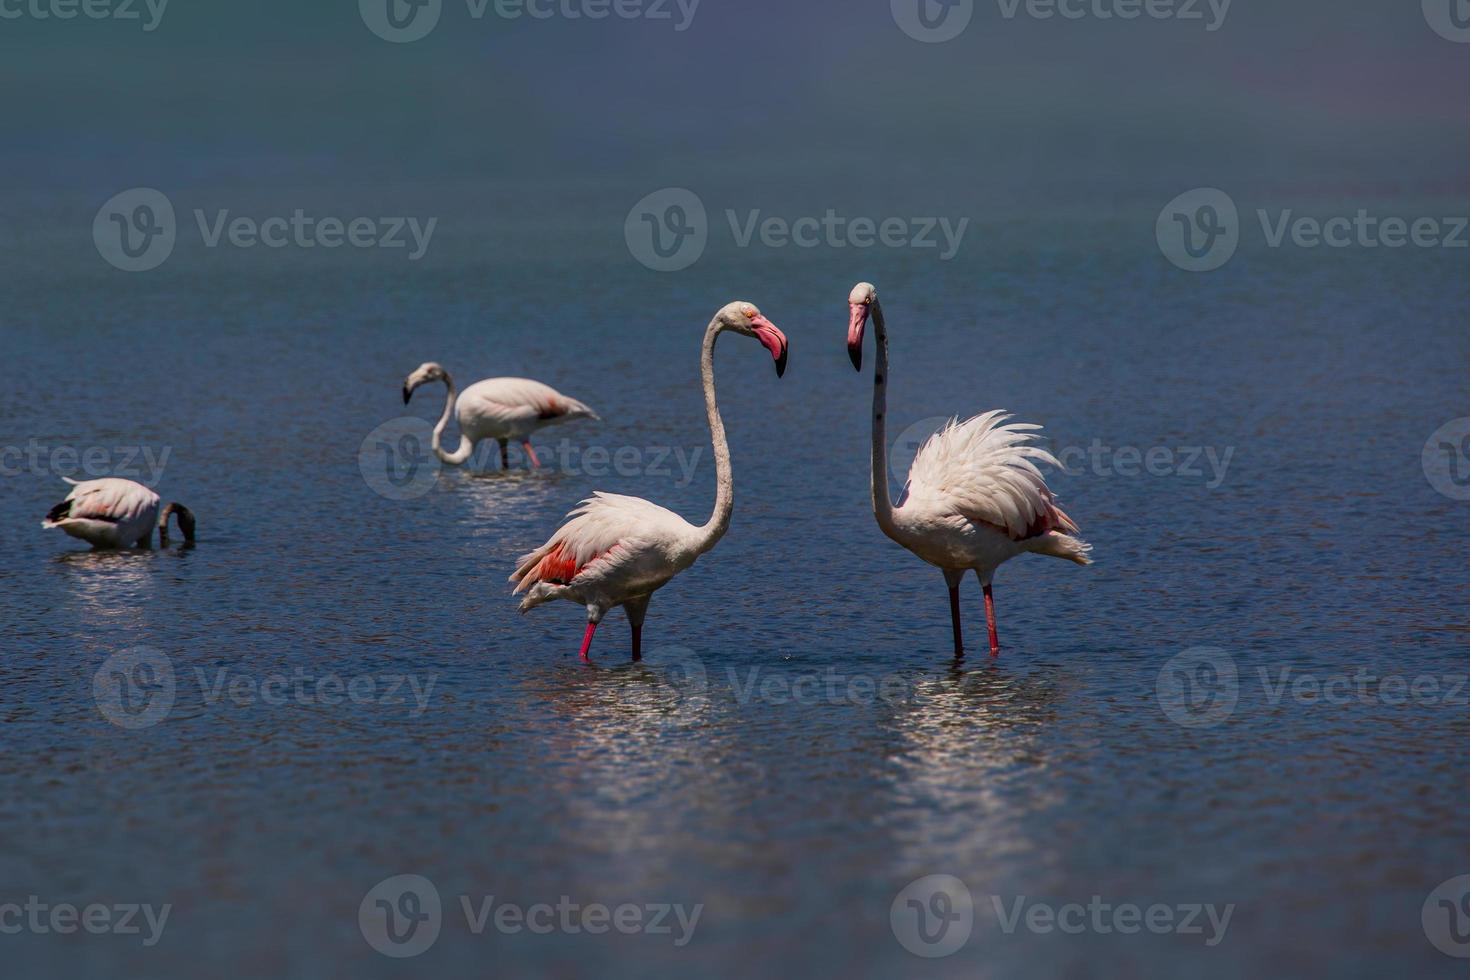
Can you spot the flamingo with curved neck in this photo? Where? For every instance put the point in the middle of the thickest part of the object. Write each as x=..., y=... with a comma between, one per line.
x=615, y=550
x=496, y=408
x=975, y=497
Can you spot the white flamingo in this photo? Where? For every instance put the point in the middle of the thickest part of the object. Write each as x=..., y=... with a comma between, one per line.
x=496, y=408
x=116, y=513
x=617, y=551
x=974, y=497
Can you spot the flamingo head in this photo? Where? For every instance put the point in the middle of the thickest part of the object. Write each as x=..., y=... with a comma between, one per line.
x=859, y=304
x=426, y=372
x=745, y=319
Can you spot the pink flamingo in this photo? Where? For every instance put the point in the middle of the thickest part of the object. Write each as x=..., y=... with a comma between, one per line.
x=617, y=551
x=974, y=497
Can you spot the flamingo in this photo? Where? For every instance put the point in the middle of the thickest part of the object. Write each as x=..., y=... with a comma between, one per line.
x=614, y=550
x=116, y=513
x=974, y=498
x=496, y=408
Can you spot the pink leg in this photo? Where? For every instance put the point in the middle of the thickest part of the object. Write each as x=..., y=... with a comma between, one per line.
x=990, y=621
x=954, y=615
x=535, y=463
x=587, y=641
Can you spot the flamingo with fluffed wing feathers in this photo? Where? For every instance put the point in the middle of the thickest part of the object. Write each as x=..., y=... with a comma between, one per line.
x=117, y=513
x=617, y=551
x=496, y=408
x=975, y=497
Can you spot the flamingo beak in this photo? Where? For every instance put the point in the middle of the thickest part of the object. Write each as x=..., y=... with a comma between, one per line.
x=855, y=327
x=773, y=339
x=407, y=394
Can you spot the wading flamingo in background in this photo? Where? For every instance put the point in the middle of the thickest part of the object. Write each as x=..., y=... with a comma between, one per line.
x=116, y=513
x=496, y=408
x=974, y=498
x=615, y=550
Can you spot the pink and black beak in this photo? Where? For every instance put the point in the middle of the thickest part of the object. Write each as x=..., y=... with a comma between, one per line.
x=855, y=327
x=773, y=339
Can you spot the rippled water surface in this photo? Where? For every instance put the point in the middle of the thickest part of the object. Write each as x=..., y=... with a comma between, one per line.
x=798, y=745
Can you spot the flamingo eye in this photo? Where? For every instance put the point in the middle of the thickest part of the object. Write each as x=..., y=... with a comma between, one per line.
x=750, y=312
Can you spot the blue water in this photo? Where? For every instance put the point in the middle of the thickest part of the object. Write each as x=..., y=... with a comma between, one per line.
x=694, y=777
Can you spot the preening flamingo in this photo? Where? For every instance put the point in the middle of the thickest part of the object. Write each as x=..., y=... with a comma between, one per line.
x=975, y=497
x=116, y=513
x=617, y=551
x=496, y=408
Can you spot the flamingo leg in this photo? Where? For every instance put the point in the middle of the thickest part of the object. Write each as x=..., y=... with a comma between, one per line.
x=990, y=621
x=504, y=453
x=636, y=608
x=531, y=452
x=587, y=642
x=953, y=579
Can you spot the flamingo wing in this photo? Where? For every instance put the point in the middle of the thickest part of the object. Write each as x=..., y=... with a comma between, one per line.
x=110, y=500
x=521, y=400
x=605, y=532
x=986, y=471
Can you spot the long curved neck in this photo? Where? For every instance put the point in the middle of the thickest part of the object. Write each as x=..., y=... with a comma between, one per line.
x=882, y=506
x=465, y=445
x=719, y=522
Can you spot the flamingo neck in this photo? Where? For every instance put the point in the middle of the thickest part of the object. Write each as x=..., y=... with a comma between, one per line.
x=882, y=506
x=714, y=529
x=466, y=446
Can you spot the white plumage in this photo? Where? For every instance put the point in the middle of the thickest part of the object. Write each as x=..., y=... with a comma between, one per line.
x=502, y=409
x=975, y=495
x=615, y=550
x=115, y=513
